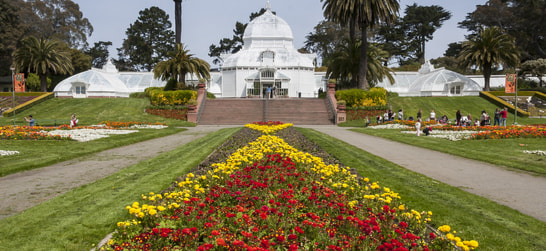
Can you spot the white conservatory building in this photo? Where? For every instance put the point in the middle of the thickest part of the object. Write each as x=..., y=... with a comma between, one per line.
x=268, y=59
x=429, y=81
x=107, y=82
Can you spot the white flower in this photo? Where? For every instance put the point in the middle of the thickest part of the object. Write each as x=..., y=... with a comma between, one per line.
x=449, y=135
x=390, y=126
x=537, y=152
x=84, y=135
x=148, y=126
x=6, y=152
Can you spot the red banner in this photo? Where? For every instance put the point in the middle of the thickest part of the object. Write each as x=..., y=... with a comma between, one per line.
x=510, y=83
x=19, y=79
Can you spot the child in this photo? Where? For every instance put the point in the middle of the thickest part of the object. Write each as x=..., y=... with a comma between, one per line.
x=427, y=130
x=418, y=126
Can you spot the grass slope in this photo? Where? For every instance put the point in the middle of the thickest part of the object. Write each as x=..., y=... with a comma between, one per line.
x=448, y=106
x=79, y=218
x=494, y=226
x=91, y=111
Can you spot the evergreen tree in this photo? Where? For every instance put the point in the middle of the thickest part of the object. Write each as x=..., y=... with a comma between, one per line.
x=149, y=39
x=11, y=31
x=99, y=53
x=420, y=22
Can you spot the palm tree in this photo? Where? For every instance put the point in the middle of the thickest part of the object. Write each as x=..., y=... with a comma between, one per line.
x=181, y=63
x=489, y=48
x=366, y=14
x=42, y=57
x=345, y=63
x=178, y=20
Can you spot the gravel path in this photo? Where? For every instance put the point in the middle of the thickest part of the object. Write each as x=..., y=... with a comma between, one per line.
x=520, y=191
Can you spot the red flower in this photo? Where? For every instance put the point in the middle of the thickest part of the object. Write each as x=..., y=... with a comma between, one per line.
x=220, y=242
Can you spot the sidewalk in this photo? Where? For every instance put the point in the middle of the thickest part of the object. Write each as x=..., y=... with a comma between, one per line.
x=523, y=192
x=24, y=190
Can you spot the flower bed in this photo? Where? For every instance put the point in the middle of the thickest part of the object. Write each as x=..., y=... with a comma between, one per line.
x=484, y=132
x=80, y=133
x=268, y=195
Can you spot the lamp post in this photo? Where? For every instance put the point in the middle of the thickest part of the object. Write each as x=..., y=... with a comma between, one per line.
x=516, y=101
x=12, y=68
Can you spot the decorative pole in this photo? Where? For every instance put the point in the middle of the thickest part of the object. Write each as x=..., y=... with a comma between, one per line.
x=516, y=102
x=12, y=68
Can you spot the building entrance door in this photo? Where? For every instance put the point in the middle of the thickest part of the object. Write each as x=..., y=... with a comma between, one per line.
x=265, y=86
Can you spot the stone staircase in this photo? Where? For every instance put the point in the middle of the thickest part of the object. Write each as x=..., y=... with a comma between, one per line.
x=224, y=111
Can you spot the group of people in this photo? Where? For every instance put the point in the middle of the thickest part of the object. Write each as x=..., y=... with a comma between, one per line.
x=32, y=122
x=484, y=120
x=390, y=116
x=270, y=92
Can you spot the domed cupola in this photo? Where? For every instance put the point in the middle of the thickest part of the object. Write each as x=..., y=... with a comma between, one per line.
x=268, y=30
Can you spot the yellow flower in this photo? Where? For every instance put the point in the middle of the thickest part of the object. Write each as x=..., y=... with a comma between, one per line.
x=444, y=228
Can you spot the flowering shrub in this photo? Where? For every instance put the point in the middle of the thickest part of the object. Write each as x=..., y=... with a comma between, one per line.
x=268, y=123
x=269, y=196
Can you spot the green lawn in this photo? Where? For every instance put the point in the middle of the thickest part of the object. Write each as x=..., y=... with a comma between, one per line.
x=447, y=106
x=82, y=217
x=34, y=154
x=494, y=226
x=502, y=152
x=91, y=111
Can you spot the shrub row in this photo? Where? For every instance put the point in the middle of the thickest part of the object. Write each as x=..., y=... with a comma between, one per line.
x=180, y=97
x=362, y=98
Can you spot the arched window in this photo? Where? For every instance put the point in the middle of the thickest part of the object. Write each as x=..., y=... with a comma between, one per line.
x=268, y=57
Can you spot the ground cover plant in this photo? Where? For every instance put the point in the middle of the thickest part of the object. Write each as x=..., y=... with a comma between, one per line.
x=269, y=196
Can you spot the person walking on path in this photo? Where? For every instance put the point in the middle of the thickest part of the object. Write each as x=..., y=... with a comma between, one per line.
x=503, y=115
x=497, y=117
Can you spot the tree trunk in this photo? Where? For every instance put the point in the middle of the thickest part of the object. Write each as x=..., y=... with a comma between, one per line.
x=43, y=82
x=486, y=77
x=178, y=20
x=363, y=69
x=352, y=30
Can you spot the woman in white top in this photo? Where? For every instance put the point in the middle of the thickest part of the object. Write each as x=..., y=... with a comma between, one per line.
x=432, y=115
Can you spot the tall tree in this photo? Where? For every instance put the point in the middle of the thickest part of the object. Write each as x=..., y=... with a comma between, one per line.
x=57, y=19
x=99, y=53
x=420, y=22
x=42, y=57
x=366, y=14
x=149, y=39
x=180, y=63
x=178, y=20
x=522, y=19
x=11, y=31
x=325, y=39
x=490, y=48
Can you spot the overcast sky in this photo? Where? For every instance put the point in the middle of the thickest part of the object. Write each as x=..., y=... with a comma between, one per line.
x=205, y=22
